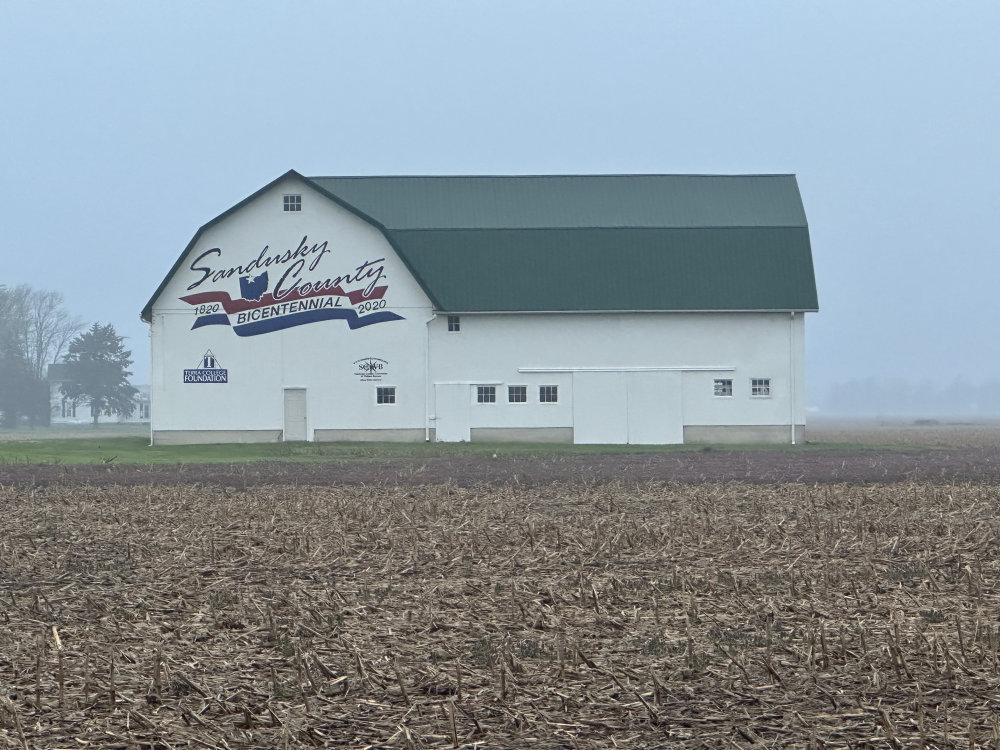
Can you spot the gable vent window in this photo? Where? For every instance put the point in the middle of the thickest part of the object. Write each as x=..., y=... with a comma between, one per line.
x=293, y=203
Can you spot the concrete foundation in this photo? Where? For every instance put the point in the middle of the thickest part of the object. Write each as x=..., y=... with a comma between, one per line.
x=205, y=437
x=521, y=434
x=372, y=436
x=743, y=434
x=709, y=434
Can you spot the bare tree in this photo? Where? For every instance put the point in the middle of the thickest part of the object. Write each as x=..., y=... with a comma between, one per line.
x=52, y=328
x=35, y=329
x=39, y=325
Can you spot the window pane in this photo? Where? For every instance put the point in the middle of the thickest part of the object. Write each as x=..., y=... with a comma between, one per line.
x=486, y=394
x=548, y=394
x=517, y=394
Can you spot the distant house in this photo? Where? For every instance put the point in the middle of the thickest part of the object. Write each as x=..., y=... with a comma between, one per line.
x=69, y=411
x=584, y=309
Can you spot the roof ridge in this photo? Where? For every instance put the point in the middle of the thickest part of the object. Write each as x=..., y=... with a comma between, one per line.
x=587, y=227
x=545, y=176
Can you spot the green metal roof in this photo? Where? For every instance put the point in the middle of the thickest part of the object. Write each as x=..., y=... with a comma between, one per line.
x=595, y=242
x=549, y=202
x=587, y=243
x=719, y=268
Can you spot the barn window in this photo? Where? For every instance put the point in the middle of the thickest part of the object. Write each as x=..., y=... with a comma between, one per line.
x=385, y=394
x=293, y=203
x=486, y=394
x=548, y=394
x=517, y=394
x=760, y=387
x=724, y=387
x=454, y=324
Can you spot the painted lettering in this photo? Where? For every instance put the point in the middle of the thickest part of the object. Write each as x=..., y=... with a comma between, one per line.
x=369, y=272
x=204, y=270
x=286, y=308
x=290, y=281
x=262, y=261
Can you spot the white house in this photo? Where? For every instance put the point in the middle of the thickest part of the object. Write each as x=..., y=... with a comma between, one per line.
x=586, y=309
x=63, y=410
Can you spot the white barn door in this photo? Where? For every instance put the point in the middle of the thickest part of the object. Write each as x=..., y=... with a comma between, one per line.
x=600, y=408
x=654, y=408
x=452, y=404
x=642, y=408
x=295, y=414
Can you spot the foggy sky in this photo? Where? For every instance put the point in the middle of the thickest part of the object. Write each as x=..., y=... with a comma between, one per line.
x=126, y=126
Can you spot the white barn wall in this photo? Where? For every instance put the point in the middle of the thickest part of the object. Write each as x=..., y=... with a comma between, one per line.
x=510, y=349
x=317, y=356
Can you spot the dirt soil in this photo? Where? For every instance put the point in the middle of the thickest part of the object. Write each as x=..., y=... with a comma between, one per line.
x=792, y=598
x=979, y=464
x=560, y=616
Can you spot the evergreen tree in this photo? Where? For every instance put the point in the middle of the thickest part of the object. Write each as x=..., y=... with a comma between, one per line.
x=97, y=370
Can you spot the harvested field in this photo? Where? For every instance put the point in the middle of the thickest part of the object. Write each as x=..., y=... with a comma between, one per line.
x=587, y=615
x=767, y=466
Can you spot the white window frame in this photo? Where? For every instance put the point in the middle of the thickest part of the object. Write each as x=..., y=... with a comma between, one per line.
x=726, y=385
x=555, y=392
x=524, y=392
x=454, y=323
x=385, y=388
x=760, y=388
x=482, y=391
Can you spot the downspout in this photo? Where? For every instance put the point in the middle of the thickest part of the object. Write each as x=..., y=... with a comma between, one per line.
x=427, y=377
x=791, y=371
x=149, y=335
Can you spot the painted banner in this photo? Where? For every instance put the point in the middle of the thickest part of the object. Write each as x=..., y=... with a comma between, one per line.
x=293, y=300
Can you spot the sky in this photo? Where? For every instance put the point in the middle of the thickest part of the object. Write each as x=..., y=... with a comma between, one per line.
x=125, y=126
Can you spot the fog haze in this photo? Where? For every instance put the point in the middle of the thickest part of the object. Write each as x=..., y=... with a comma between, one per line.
x=126, y=126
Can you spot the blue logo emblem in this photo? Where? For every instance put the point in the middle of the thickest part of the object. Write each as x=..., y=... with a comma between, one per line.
x=208, y=372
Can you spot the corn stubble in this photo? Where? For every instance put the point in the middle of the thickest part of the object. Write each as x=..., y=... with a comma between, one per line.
x=587, y=616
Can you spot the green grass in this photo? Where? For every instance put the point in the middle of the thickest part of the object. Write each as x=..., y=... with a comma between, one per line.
x=136, y=450
x=132, y=450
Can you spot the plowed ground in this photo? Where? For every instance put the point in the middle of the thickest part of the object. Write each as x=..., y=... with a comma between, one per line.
x=979, y=464
x=807, y=598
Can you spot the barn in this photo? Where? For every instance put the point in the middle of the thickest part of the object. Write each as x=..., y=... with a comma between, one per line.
x=645, y=309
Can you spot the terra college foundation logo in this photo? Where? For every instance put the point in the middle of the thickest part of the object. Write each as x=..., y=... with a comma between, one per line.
x=208, y=372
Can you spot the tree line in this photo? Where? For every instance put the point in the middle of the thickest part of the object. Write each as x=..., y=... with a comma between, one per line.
x=37, y=330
